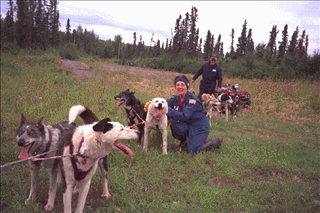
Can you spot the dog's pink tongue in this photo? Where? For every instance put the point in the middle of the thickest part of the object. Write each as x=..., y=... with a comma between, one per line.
x=124, y=149
x=158, y=113
x=24, y=152
x=118, y=104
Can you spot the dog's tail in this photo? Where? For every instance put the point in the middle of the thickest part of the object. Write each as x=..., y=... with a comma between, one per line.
x=85, y=113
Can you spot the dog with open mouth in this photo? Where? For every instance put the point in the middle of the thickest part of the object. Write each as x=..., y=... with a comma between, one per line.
x=134, y=110
x=89, y=143
x=157, y=118
x=37, y=138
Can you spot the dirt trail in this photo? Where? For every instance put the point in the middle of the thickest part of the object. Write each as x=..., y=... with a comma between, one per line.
x=82, y=70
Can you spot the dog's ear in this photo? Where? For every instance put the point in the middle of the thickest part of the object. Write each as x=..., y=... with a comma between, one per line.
x=40, y=124
x=127, y=90
x=23, y=119
x=103, y=126
x=40, y=121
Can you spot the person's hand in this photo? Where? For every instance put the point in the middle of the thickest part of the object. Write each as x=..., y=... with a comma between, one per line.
x=218, y=89
x=192, y=81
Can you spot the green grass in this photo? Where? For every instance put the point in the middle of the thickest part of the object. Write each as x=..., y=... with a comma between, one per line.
x=269, y=160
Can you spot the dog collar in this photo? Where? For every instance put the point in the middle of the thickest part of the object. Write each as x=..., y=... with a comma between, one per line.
x=79, y=174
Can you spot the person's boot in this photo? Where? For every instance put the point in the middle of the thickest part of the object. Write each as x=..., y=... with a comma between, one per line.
x=214, y=143
x=183, y=144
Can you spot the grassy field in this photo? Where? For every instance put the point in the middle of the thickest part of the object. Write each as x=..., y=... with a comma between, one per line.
x=269, y=161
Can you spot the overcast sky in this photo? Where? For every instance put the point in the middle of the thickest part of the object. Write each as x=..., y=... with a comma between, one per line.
x=111, y=18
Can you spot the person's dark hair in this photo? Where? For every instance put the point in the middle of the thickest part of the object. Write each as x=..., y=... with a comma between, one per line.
x=183, y=78
x=213, y=57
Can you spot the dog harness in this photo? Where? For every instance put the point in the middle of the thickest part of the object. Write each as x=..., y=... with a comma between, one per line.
x=78, y=173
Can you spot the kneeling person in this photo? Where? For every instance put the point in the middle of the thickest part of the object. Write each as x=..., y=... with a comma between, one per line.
x=190, y=118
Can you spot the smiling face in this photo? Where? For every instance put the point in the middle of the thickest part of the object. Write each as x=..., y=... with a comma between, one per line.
x=181, y=88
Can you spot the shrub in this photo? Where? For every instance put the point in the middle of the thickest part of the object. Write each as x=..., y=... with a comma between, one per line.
x=70, y=51
x=10, y=47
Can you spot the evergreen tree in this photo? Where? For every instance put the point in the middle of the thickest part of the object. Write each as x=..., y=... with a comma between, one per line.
x=232, y=42
x=31, y=6
x=68, y=31
x=207, y=48
x=216, y=50
x=8, y=27
x=176, y=39
x=293, y=43
x=260, y=50
x=183, y=33
x=193, y=38
x=54, y=23
x=283, y=44
x=301, y=51
x=307, y=44
x=250, y=44
x=21, y=23
x=41, y=30
x=134, y=42
x=242, y=41
x=221, y=50
x=271, y=47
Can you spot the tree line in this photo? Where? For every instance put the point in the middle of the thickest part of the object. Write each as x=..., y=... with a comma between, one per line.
x=34, y=24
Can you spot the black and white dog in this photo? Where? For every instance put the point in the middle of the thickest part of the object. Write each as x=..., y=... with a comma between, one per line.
x=36, y=138
x=89, y=143
x=134, y=110
x=227, y=104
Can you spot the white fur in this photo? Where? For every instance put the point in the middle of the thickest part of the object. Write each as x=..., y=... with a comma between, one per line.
x=75, y=111
x=153, y=122
x=226, y=103
x=96, y=145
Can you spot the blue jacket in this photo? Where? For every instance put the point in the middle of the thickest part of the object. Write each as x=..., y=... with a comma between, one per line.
x=192, y=108
x=192, y=122
x=210, y=74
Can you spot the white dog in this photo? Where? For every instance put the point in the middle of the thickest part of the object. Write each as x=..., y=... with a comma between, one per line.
x=88, y=144
x=157, y=118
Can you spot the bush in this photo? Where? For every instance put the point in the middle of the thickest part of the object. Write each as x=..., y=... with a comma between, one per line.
x=70, y=51
x=10, y=47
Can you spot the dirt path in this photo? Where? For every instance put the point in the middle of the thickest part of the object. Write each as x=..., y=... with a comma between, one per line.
x=82, y=70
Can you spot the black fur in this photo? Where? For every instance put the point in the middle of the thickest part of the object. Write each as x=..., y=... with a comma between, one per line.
x=103, y=126
x=132, y=106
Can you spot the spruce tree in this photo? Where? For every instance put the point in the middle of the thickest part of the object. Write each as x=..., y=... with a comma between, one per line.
x=68, y=31
x=232, y=53
x=207, y=46
x=283, y=44
x=242, y=41
x=271, y=47
x=22, y=23
x=250, y=44
x=8, y=28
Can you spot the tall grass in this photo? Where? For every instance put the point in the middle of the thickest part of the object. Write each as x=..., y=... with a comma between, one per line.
x=269, y=160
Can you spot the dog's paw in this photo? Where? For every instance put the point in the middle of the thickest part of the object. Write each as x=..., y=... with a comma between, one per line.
x=27, y=201
x=106, y=195
x=48, y=207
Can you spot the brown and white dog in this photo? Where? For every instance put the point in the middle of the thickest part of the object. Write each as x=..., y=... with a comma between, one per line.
x=157, y=118
x=87, y=145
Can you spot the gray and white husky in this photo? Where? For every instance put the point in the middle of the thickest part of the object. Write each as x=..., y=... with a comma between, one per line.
x=38, y=138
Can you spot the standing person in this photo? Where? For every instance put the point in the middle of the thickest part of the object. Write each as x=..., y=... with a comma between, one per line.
x=211, y=73
x=190, y=118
